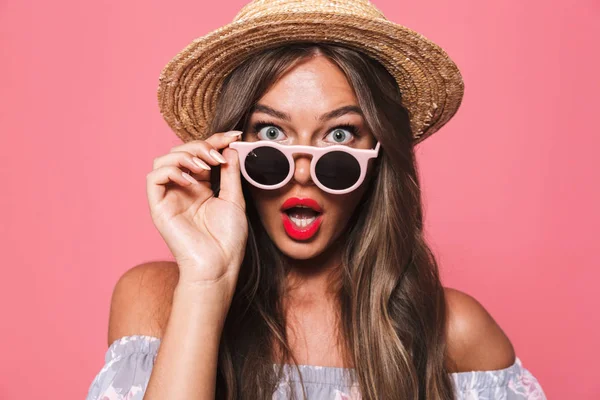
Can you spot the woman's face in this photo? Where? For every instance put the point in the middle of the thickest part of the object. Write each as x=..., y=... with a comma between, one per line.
x=311, y=89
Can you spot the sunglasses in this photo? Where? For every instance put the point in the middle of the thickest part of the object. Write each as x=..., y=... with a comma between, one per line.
x=336, y=169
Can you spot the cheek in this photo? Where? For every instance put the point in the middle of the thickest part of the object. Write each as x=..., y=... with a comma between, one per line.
x=342, y=208
x=266, y=203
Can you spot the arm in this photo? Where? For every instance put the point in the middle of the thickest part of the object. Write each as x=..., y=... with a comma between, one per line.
x=186, y=363
x=149, y=300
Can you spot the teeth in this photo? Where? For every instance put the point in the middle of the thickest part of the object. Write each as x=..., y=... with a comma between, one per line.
x=302, y=223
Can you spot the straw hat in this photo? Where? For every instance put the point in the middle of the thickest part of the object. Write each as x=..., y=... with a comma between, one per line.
x=430, y=82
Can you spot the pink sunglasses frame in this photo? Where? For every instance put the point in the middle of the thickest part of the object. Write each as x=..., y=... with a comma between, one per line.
x=362, y=156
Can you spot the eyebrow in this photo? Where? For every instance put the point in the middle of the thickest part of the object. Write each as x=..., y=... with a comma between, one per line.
x=286, y=117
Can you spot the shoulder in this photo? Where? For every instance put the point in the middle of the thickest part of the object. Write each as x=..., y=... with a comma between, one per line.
x=475, y=341
x=141, y=300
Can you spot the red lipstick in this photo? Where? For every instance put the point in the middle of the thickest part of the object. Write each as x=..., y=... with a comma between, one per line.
x=293, y=230
x=306, y=202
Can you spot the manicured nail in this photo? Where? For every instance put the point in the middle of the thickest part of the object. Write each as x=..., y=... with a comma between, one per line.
x=233, y=133
x=214, y=154
x=200, y=163
x=189, y=177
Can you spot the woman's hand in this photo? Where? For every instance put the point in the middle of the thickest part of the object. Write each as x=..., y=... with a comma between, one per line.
x=206, y=234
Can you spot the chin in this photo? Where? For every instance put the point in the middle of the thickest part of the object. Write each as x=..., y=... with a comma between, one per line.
x=296, y=249
x=312, y=248
x=300, y=250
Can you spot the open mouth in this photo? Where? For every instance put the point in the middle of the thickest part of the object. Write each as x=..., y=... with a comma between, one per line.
x=302, y=217
x=301, y=223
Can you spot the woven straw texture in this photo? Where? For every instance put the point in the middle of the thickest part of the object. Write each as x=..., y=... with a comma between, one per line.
x=189, y=85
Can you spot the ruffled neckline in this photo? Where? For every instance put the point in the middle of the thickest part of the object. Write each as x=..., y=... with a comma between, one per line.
x=322, y=374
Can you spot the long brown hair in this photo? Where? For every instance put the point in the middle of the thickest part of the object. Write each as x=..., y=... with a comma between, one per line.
x=392, y=309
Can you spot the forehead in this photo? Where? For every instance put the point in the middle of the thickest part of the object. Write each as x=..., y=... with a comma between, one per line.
x=314, y=86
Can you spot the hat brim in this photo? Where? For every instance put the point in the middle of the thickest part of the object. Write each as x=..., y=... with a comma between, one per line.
x=430, y=82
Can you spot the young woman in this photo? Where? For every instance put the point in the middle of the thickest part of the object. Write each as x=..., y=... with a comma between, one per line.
x=301, y=270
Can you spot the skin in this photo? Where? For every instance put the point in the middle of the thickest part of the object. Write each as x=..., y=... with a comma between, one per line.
x=309, y=90
x=312, y=88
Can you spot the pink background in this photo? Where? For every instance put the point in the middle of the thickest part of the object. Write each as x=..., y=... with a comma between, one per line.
x=510, y=184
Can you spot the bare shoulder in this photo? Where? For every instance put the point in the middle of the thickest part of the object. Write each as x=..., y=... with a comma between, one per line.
x=475, y=341
x=141, y=300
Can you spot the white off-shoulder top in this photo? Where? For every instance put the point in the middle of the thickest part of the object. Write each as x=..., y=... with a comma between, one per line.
x=129, y=361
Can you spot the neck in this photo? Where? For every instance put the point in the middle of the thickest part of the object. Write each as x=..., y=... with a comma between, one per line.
x=314, y=280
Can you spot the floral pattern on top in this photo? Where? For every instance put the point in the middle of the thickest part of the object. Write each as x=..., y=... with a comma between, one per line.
x=129, y=361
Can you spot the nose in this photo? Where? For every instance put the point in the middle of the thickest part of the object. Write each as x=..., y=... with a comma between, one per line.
x=302, y=170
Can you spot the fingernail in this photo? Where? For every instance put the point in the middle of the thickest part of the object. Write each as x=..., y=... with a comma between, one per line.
x=233, y=133
x=214, y=154
x=200, y=163
x=189, y=177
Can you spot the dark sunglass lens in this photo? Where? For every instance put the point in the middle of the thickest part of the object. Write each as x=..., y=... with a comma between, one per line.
x=267, y=165
x=338, y=170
